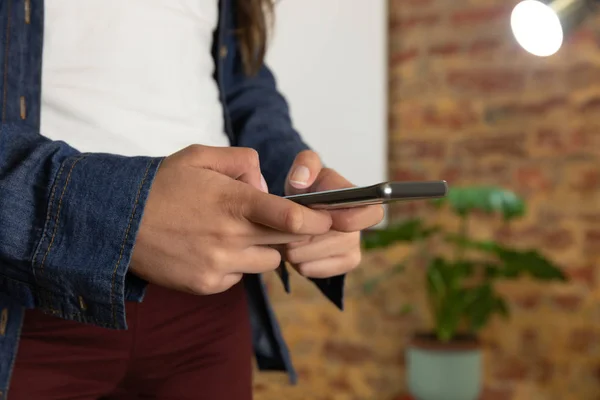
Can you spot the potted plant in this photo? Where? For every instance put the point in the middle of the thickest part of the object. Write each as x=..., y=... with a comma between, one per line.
x=445, y=363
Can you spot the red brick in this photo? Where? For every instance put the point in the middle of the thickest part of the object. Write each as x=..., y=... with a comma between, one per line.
x=496, y=173
x=418, y=150
x=581, y=340
x=549, y=138
x=304, y=373
x=584, y=274
x=590, y=105
x=445, y=49
x=597, y=373
x=510, y=369
x=532, y=178
x=551, y=216
x=528, y=110
x=451, y=174
x=487, y=81
x=499, y=393
x=581, y=138
x=340, y=384
x=416, y=21
x=582, y=36
x=582, y=75
x=543, y=371
x=567, y=302
x=525, y=234
x=592, y=241
x=528, y=302
x=481, y=15
x=454, y=119
x=405, y=174
x=546, y=76
x=545, y=106
x=484, y=45
x=346, y=352
x=588, y=181
x=557, y=239
x=507, y=145
x=259, y=387
x=589, y=217
x=529, y=339
x=402, y=57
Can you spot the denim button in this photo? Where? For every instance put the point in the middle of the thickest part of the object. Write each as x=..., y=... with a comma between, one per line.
x=223, y=51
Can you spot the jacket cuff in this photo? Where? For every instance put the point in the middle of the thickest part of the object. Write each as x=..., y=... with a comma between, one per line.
x=332, y=288
x=94, y=213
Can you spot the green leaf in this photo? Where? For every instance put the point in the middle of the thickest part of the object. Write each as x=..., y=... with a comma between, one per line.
x=501, y=307
x=435, y=278
x=464, y=268
x=482, y=303
x=491, y=200
x=492, y=271
x=530, y=262
x=485, y=246
x=407, y=231
x=450, y=315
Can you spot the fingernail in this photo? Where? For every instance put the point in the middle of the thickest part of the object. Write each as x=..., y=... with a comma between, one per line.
x=264, y=185
x=300, y=176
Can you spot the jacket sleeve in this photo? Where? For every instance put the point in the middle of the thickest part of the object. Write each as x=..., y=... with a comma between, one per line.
x=68, y=223
x=260, y=119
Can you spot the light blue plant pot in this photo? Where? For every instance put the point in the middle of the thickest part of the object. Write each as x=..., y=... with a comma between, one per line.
x=444, y=371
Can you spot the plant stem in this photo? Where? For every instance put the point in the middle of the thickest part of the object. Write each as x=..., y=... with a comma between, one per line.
x=463, y=233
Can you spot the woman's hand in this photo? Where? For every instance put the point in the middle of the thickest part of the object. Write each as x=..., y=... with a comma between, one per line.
x=337, y=251
x=334, y=253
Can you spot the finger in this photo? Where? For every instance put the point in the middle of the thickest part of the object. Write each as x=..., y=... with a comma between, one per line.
x=330, y=246
x=330, y=179
x=284, y=215
x=304, y=171
x=264, y=236
x=238, y=163
x=329, y=267
x=356, y=219
x=256, y=260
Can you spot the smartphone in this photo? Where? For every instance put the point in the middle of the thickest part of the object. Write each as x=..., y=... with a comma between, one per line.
x=381, y=193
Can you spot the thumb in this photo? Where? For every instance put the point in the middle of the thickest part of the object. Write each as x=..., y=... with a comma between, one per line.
x=304, y=171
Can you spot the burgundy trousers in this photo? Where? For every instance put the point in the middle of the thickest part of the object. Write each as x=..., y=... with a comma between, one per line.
x=178, y=346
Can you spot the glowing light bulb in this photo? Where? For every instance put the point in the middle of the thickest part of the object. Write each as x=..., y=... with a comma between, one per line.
x=536, y=28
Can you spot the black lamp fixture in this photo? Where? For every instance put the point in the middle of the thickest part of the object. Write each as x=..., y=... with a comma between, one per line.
x=540, y=26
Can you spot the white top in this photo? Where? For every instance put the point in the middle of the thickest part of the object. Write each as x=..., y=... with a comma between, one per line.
x=130, y=77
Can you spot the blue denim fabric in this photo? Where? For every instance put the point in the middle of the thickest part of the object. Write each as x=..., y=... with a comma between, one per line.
x=68, y=220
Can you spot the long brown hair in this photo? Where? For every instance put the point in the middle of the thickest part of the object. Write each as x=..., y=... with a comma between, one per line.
x=253, y=22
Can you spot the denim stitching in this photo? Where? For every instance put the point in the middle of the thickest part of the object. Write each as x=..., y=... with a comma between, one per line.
x=114, y=276
x=50, y=203
x=67, y=180
x=5, y=94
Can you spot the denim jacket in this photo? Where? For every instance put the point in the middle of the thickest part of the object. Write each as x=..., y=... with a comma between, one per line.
x=69, y=220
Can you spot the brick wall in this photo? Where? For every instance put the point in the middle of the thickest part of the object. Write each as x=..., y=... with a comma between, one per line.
x=468, y=105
